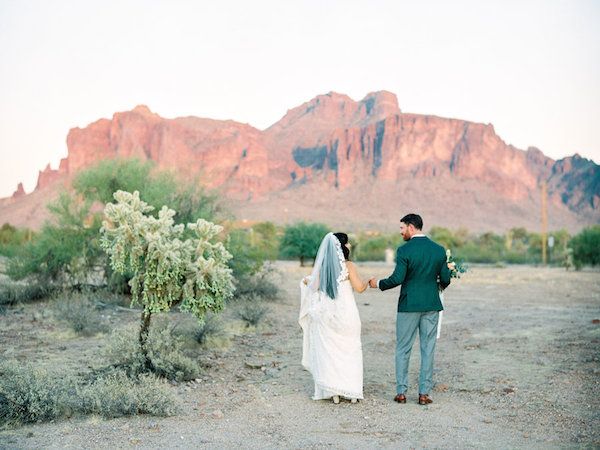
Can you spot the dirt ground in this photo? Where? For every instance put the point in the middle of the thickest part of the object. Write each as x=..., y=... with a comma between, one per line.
x=517, y=366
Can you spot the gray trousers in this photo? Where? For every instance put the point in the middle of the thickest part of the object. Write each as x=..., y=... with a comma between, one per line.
x=407, y=324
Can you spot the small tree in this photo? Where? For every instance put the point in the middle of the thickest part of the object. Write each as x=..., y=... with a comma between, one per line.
x=302, y=240
x=167, y=268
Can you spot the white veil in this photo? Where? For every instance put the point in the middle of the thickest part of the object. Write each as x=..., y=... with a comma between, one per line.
x=330, y=268
x=321, y=287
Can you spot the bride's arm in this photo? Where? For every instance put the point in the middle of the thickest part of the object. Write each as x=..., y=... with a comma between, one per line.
x=357, y=284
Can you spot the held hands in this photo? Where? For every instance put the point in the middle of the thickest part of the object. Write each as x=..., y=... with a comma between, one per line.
x=373, y=282
x=451, y=265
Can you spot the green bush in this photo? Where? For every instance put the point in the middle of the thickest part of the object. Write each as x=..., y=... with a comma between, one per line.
x=247, y=259
x=165, y=351
x=64, y=251
x=266, y=236
x=586, y=247
x=302, y=240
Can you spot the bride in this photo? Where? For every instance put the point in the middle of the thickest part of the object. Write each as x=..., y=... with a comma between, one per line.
x=329, y=318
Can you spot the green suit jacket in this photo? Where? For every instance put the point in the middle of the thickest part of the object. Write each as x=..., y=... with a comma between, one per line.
x=419, y=264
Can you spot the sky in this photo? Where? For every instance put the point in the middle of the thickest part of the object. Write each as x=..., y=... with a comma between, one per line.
x=531, y=68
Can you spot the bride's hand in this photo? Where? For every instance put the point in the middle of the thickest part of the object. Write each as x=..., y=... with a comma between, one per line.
x=305, y=280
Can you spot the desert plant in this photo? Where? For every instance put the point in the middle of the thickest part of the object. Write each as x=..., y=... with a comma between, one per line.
x=67, y=250
x=79, y=313
x=163, y=349
x=302, y=240
x=247, y=259
x=31, y=394
x=63, y=251
x=12, y=238
x=261, y=285
x=116, y=395
x=586, y=247
x=251, y=310
x=12, y=293
x=211, y=328
x=167, y=269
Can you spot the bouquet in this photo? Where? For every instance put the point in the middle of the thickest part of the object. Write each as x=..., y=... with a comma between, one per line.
x=456, y=267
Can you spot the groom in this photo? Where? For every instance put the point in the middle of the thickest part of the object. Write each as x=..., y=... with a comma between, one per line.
x=420, y=268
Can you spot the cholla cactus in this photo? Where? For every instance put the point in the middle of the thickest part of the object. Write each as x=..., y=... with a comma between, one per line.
x=167, y=268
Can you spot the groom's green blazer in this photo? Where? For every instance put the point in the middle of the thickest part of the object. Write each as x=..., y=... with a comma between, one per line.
x=420, y=263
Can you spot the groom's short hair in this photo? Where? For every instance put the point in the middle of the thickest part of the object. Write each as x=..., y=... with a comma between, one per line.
x=413, y=219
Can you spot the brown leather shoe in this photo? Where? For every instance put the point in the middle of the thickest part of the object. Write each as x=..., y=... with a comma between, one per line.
x=400, y=398
x=424, y=399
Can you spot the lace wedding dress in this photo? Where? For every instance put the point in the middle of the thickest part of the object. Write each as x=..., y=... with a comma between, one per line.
x=329, y=318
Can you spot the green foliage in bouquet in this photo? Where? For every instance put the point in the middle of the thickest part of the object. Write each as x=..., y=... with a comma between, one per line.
x=167, y=267
x=457, y=267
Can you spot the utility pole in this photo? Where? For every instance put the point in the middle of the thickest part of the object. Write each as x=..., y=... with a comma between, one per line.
x=544, y=222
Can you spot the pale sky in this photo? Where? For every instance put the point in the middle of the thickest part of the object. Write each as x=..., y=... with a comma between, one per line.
x=531, y=68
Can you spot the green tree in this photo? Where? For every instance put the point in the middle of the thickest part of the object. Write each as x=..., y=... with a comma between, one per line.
x=168, y=268
x=67, y=248
x=302, y=240
x=586, y=246
x=266, y=236
x=63, y=251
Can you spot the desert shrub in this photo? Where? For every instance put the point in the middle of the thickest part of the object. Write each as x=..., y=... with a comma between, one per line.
x=29, y=394
x=164, y=350
x=116, y=395
x=212, y=328
x=79, y=312
x=251, y=310
x=262, y=285
x=14, y=293
x=586, y=247
x=302, y=240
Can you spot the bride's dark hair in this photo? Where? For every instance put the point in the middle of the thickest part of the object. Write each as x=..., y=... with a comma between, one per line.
x=343, y=238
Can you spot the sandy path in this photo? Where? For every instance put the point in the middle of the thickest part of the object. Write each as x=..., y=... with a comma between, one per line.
x=517, y=366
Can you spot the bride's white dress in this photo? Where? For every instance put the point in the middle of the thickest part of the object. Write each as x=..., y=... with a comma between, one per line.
x=332, y=350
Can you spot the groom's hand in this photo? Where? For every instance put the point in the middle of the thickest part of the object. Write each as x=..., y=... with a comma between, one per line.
x=373, y=282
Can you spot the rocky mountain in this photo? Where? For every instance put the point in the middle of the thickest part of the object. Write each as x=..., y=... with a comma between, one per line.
x=351, y=164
